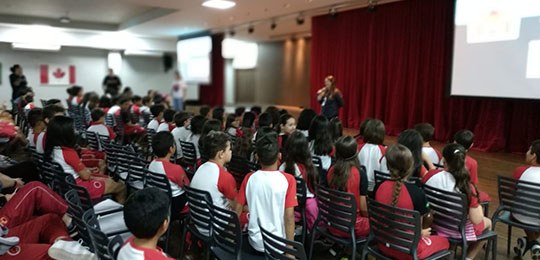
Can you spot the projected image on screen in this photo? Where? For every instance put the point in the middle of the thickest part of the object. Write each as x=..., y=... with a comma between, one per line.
x=497, y=49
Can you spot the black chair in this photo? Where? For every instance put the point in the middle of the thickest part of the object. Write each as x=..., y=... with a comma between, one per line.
x=48, y=173
x=199, y=218
x=301, y=197
x=380, y=177
x=279, y=248
x=160, y=181
x=337, y=209
x=396, y=228
x=100, y=241
x=189, y=158
x=93, y=140
x=114, y=246
x=451, y=214
x=317, y=162
x=517, y=197
x=239, y=167
x=110, y=120
x=76, y=212
x=86, y=203
x=227, y=235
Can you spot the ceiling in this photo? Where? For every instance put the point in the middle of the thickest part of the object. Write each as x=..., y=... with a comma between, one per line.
x=171, y=18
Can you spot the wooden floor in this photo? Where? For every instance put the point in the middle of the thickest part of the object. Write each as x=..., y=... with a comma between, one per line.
x=489, y=166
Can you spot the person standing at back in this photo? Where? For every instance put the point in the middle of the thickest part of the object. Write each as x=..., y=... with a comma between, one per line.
x=112, y=83
x=178, y=92
x=330, y=98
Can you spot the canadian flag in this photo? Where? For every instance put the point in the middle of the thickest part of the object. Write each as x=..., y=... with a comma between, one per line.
x=57, y=74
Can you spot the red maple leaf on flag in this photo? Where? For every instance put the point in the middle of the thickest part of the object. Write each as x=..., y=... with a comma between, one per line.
x=58, y=73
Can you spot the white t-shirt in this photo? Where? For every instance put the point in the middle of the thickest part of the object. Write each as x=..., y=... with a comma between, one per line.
x=178, y=87
x=154, y=124
x=370, y=156
x=529, y=174
x=113, y=109
x=433, y=154
x=180, y=134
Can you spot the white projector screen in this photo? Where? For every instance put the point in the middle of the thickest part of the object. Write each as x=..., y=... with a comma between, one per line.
x=497, y=49
x=194, y=59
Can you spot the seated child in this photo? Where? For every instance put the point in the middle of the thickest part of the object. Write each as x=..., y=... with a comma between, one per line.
x=157, y=112
x=163, y=147
x=168, y=121
x=426, y=131
x=98, y=124
x=147, y=216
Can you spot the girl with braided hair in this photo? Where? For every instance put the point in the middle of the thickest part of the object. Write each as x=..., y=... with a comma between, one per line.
x=398, y=193
x=455, y=177
x=347, y=175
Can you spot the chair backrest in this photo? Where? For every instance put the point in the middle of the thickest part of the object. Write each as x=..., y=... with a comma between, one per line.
x=158, y=180
x=279, y=248
x=337, y=209
x=114, y=246
x=226, y=231
x=93, y=140
x=380, y=177
x=48, y=171
x=301, y=190
x=239, y=167
x=317, y=162
x=519, y=197
x=100, y=241
x=397, y=228
x=450, y=210
x=189, y=157
x=85, y=202
x=76, y=212
x=110, y=120
x=199, y=208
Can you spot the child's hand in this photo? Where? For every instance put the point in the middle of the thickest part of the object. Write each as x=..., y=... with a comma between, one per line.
x=426, y=232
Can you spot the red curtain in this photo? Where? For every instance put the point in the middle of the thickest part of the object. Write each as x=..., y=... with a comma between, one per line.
x=395, y=64
x=213, y=94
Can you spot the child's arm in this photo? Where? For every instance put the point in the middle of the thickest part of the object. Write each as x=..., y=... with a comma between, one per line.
x=289, y=223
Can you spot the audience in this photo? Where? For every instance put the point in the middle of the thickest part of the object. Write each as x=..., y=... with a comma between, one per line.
x=426, y=130
x=304, y=120
x=372, y=149
x=320, y=141
x=98, y=125
x=157, y=111
x=168, y=121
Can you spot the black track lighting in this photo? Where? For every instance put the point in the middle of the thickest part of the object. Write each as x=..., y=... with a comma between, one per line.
x=273, y=25
x=300, y=19
x=232, y=33
x=251, y=29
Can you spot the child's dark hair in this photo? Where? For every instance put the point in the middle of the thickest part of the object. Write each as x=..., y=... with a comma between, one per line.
x=267, y=148
x=336, y=129
x=146, y=100
x=53, y=101
x=97, y=114
x=157, y=109
x=50, y=110
x=168, y=115
x=136, y=98
x=104, y=102
x=264, y=131
x=465, y=138
x=535, y=149
x=239, y=111
x=123, y=99
x=230, y=119
x=305, y=118
x=454, y=157
x=248, y=119
x=74, y=90
x=218, y=113
x=362, y=128
x=346, y=159
x=411, y=139
x=265, y=119
x=59, y=132
x=297, y=151
x=274, y=112
x=204, y=110
x=197, y=123
x=35, y=115
x=256, y=109
x=320, y=135
x=145, y=211
x=215, y=141
x=400, y=164
x=180, y=118
x=210, y=125
x=162, y=143
x=374, y=132
x=243, y=144
x=426, y=130
x=29, y=99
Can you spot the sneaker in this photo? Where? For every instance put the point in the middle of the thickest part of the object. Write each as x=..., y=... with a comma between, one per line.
x=535, y=250
x=521, y=248
x=67, y=250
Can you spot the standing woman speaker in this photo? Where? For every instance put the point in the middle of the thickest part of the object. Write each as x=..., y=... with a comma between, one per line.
x=330, y=98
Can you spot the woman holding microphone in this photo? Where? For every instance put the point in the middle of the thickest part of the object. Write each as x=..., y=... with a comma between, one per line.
x=330, y=98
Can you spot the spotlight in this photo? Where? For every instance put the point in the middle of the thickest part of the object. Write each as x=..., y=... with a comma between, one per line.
x=232, y=33
x=273, y=25
x=372, y=4
x=332, y=12
x=251, y=29
x=300, y=19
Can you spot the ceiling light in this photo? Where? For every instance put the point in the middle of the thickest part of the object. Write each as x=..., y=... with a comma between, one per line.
x=135, y=52
x=219, y=4
x=300, y=19
x=64, y=19
x=35, y=46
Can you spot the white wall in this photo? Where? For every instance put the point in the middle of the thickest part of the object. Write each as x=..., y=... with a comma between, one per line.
x=140, y=73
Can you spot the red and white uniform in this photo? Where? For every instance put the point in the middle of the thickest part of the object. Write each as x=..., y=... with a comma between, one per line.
x=130, y=251
x=167, y=127
x=267, y=194
x=102, y=129
x=176, y=175
x=530, y=174
x=114, y=110
x=180, y=134
x=357, y=184
x=74, y=101
x=72, y=164
x=37, y=141
x=413, y=198
x=217, y=181
x=444, y=180
x=472, y=166
x=326, y=159
x=433, y=154
x=153, y=124
x=369, y=156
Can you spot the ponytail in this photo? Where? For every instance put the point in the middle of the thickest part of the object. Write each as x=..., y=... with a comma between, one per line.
x=454, y=155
